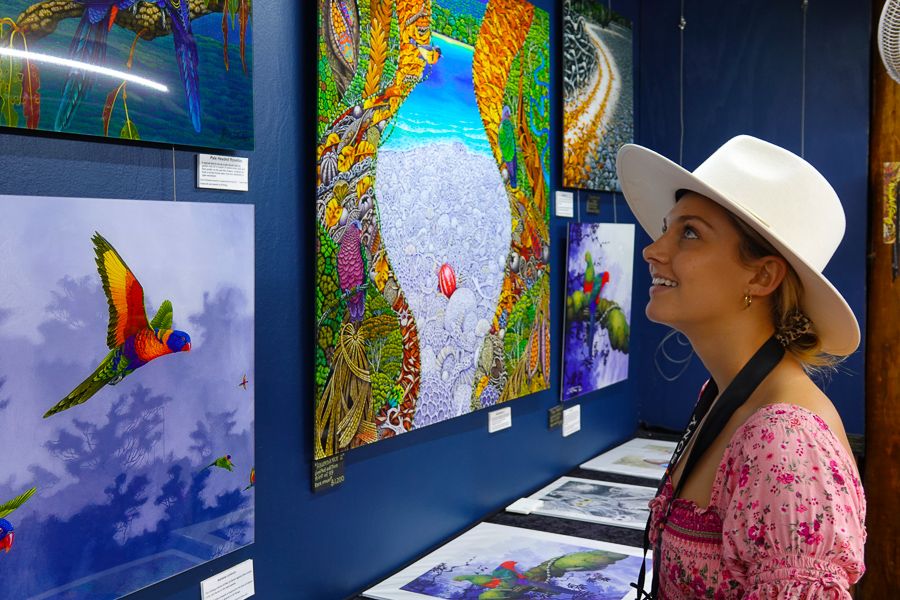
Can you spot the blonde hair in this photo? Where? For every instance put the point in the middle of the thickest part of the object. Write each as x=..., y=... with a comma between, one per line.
x=786, y=303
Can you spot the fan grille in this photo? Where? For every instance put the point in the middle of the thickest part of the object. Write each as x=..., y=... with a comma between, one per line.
x=889, y=38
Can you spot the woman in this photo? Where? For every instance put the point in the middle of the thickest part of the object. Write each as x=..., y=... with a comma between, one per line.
x=768, y=502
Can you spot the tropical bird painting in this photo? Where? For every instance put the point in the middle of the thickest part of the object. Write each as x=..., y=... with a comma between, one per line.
x=351, y=270
x=133, y=339
x=6, y=528
x=223, y=462
x=244, y=382
x=252, y=479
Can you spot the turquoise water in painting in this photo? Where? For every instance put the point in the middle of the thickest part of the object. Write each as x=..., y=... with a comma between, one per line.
x=442, y=108
x=226, y=97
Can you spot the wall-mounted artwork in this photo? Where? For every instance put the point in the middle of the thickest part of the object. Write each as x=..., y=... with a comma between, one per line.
x=496, y=561
x=891, y=192
x=598, y=307
x=598, y=93
x=432, y=216
x=639, y=457
x=126, y=390
x=603, y=502
x=172, y=71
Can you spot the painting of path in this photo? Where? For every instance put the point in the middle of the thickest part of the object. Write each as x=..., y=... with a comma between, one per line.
x=598, y=93
x=496, y=561
x=596, y=334
x=432, y=214
x=126, y=392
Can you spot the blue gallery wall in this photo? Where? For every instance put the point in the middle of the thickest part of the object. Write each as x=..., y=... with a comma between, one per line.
x=404, y=495
x=742, y=74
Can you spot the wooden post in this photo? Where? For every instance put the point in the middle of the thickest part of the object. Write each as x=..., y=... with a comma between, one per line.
x=882, y=462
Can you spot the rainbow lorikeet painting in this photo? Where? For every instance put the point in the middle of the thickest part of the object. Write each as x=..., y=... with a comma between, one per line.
x=6, y=529
x=223, y=462
x=252, y=479
x=132, y=338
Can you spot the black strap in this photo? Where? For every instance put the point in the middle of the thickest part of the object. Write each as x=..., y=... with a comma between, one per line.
x=745, y=382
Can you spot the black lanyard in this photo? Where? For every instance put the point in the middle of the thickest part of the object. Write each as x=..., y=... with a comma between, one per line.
x=744, y=383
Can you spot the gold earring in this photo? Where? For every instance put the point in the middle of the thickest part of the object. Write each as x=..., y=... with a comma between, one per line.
x=748, y=300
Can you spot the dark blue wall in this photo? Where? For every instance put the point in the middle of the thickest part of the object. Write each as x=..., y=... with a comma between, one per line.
x=742, y=74
x=404, y=495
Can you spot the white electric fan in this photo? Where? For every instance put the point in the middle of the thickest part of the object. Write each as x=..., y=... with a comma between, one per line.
x=889, y=38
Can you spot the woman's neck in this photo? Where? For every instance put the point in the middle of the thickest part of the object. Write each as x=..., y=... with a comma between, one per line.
x=725, y=352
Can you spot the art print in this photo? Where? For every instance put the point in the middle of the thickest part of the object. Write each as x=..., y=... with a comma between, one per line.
x=168, y=71
x=432, y=222
x=598, y=93
x=496, y=561
x=639, y=457
x=127, y=386
x=597, y=328
x=602, y=502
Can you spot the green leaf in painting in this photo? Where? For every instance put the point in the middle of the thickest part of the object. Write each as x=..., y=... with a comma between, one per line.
x=129, y=131
x=10, y=90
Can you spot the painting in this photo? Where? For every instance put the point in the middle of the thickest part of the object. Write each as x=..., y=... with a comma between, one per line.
x=598, y=93
x=597, y=325
x=433, y=290
x=602, y=502
x=639, y=457
x=167, y=71
x=497, y=561
x=126, y=390
x=890, y=215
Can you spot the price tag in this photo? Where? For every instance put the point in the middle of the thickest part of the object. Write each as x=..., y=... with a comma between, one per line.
x=555, y=417
x=593, y=204
x=571, y=420
x=234, y=584
x=499, y=419
x=328, y=472
x=565, y=204
x=218, y=172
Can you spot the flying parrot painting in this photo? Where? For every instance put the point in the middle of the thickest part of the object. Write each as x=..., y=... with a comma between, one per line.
x=223, y=462
x=6, y=528
x=351, y=270
x=133, y=339
x=507, y=581
x=244, y=382
x=252, y=479
x=592, y=295
x=89, y=45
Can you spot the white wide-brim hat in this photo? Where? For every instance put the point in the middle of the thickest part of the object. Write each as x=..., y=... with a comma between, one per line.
x=772, y=190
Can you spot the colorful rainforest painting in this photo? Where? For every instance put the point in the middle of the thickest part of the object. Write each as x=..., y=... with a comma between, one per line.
x=433, y=278
x=598, y=106
x=598, y=306
x=193, y=60
x=126, y=387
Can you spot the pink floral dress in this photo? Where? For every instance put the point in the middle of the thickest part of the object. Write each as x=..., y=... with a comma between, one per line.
x=785, y=520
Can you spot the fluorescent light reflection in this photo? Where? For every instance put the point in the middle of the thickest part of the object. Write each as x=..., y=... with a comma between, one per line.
x=75, y=64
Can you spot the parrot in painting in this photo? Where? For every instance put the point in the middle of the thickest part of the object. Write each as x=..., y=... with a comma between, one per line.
x=133, y=340
x=223, y=462
x=252, y=479
x=351, y=270
x=429, y=54
x=506, y=135
x=244, y=382
x=6, y=528
x=506, y=581
x=592, y=295
x=88, y=46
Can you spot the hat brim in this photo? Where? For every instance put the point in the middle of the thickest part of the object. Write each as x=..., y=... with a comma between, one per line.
x=649, y=182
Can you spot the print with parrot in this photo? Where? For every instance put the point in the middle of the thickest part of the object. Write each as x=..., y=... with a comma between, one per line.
x=432, y=296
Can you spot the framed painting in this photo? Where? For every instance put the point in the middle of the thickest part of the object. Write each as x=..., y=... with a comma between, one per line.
x=594, y=501
x=433, y=293
x=597, y=327
x=639, y=457
x=127, y=369
x=173, y=71
x=598, y=93
x=496, y=561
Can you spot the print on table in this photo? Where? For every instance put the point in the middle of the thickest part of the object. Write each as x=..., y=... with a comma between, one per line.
x=639, y=457
x=596, y=501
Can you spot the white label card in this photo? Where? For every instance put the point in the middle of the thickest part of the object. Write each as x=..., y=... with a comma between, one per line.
x=499, y=419
x=234, y=584
x=217, y=172
x=571, y=420
x=565, y=204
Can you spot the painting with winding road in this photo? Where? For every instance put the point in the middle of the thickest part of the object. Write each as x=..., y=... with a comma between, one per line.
x=598, y=106
x=432, y=215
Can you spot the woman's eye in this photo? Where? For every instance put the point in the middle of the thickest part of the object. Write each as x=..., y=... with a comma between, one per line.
x=690, y=233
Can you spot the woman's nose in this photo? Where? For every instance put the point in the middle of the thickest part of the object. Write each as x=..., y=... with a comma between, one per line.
x=655, y=251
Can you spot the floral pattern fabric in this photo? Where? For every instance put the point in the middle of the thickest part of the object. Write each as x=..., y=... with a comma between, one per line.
x=786, y=517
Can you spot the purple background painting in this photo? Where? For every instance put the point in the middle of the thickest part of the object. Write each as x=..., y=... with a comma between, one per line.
x=590, y=362
x=123, y=499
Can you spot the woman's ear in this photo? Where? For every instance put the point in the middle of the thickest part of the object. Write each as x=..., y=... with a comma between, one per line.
x=769, y=273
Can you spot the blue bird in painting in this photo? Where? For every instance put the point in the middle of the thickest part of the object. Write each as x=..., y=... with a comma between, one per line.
x=7, y=533
x=88, y=46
